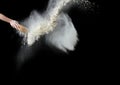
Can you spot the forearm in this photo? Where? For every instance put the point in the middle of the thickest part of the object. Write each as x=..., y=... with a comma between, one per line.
x=5, y=18
x=13, y=23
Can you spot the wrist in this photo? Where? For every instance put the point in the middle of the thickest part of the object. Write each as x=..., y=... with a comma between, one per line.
x=13, y=21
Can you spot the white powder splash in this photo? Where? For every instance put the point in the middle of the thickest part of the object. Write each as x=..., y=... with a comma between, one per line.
x=54, y=24
x=48, y=23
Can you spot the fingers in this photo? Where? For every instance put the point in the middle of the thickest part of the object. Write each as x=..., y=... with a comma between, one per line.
x=14, y=24
x=22, y=29
x=17, y=26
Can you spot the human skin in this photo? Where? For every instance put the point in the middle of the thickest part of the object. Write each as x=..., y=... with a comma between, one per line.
x=13, y=23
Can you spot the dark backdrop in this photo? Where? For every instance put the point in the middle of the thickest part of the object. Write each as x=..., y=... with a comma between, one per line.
x=46, y=63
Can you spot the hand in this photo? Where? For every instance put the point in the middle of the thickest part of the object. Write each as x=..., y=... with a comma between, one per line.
x=15, y=24
x=19, y=27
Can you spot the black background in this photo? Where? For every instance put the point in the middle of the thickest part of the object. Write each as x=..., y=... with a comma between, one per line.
x=47, y=64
